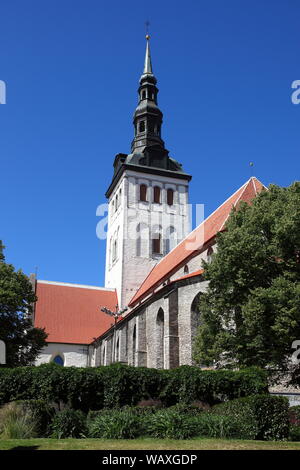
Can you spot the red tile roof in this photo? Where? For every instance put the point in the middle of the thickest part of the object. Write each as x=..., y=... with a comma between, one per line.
x=188, y=276
x=71, y=313
x=196, y=240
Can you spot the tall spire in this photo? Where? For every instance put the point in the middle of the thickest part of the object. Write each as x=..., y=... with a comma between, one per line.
x=147, y=117
x=148, y=64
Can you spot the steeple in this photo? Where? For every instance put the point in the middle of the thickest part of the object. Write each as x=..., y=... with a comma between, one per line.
x=148, y=152
x=147, y=118
x=148, y=64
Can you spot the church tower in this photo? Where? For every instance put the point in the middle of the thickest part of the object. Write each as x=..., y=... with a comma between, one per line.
x=148, y=211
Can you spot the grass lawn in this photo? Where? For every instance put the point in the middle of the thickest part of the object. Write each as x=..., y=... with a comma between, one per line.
x=144, y=444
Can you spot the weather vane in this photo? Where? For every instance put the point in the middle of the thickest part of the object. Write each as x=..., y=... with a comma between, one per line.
x=147, y=24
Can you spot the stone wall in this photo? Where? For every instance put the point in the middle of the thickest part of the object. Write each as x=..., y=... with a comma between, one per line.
x=160, y=334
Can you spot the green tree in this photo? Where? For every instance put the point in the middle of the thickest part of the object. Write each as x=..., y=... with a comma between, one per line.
x=23, y=341
x=251, y=310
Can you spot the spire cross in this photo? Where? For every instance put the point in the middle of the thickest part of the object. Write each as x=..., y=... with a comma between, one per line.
x=147, y=24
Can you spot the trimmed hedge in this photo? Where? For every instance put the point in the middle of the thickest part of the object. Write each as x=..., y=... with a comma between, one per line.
x=294, y=418
x=119, y=385
x=263, y=417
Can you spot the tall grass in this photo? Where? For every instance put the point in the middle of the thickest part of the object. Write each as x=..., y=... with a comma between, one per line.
x=17, y=422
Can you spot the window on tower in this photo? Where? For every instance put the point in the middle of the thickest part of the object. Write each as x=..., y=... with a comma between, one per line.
x=143, y=94
x=142, y=126
x=143, y=192
x=156, y=194
x=156, y=240
x=170, y=197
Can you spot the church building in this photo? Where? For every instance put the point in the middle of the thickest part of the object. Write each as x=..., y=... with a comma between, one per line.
x=147, y=314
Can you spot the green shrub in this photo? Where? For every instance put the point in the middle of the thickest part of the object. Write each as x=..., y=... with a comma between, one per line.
x=294, y=415
x=68, y=423
x=119, y=385
x=169, y=424
x=187, y=384
x=174, y=424
x=294, y=434
x=17, y=422
x=115, y=424
x=222, y=427
x=260, y=416
x=42, y=413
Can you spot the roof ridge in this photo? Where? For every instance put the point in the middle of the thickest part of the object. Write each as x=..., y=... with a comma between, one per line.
x=168, y=268
x=183, y=240
x=69, y=284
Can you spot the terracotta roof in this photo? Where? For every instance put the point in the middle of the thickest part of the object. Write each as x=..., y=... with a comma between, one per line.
x=196, y=240
x=70, y=313
x=188, y=276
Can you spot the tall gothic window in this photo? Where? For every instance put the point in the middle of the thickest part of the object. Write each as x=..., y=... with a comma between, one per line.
x=156, y=194
x=104, y=356
x=134, y=346
x=143, y=192
x=210, y=253
x=160, y=339
x=117, y=355
x=170, y=197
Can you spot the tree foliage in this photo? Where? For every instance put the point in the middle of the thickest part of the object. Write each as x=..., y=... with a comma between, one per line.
x=251, y=310
x=23, y=341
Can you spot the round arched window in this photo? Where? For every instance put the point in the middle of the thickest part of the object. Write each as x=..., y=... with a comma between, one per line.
x=58, y=360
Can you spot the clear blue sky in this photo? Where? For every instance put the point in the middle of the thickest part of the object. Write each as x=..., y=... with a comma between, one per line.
x=224, y=71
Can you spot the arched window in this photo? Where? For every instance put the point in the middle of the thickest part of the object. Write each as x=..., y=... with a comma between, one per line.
x=143, y=94
x=170, y=197
x=104, y=356
x=142, y=126
x=160, y=339
x=143, y=192
x=59, y=360
x=210, y=253
x=170, y=239
x=117, y=202
x=186, y=269
x=110, y=250
x=117, y=354
x=156, y=194
x=114, y=251
x=134, y=346
x=195, y=314
x=156, y=240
